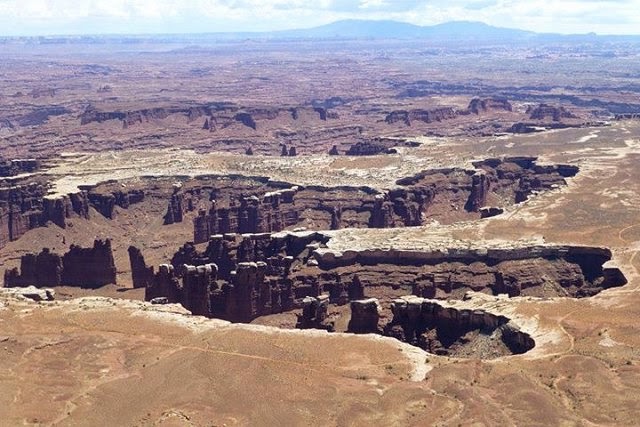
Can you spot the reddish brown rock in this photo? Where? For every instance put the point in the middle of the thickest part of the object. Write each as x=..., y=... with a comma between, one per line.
x=89, y=267
x=141, y=275
x=165, y=284
x=480, y=186
x=176, y=208
x=84, y=267
x=477, y=105
x=314, y=314
x=426, y=116
x=544, y=112
x=246, y=119
x=365, y=315
x=198, y=283
x=440, y=330
x=105, y=203
x=25, y=207
x=43, y=269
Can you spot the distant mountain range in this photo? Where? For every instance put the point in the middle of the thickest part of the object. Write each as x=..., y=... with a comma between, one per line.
x=394, y=29
x=455, y=31
x=451, y=32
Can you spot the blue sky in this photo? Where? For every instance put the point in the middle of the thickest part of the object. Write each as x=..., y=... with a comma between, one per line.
x=42, y=17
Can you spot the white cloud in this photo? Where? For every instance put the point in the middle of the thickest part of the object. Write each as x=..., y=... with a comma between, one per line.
x=72, y=16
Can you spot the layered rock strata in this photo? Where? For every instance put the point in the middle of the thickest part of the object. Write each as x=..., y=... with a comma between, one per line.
x=444, y=194
x=439, y=329
x=314, y=314
x=84, y=267
x=260, y=274
x=141, y=275
x=26, y=206
x=365, y=315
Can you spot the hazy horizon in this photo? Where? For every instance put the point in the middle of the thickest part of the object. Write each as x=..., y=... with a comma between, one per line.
x=67, y=17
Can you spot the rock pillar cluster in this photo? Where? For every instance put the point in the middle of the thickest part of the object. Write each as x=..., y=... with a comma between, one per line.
x=84, y=267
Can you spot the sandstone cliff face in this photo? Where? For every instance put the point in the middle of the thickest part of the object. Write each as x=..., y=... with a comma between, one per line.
x=89, y=267
x=84, y=267
x=105, y=203
x=275, y=211
x=259, y=274
x=365, y=315
x=17, y=166
x=368, y=148
x=175, y=210
x=438, y=329
x=43, y=269
x=165, y=284
x=426, y=116
x=198, y=282
x=546, y=112
x=128, y=118
x=251, y=271
x=246, y=119
x=314, y=314
x=439, y=193
x=218, y=115
x=478, y=106
x=141, y=275
x=24, y=207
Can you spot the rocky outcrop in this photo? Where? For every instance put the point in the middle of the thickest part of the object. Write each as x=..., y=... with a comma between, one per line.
x=288, y=151
x=252, y=272
x=24, y=207
x=441, y=329
x=534, y=271
x=260, y=274
x=89, y=267
x=365, y=315
x=177, y=207
x=275, y=211
x=480, y=186
x=314, y=314
x=105, y=203
x=525, y=128
x=478, y=106
x=246, y=119
x=40, y=115
x=30, y=292
x=43, y=269
x=84, y=267
x=432, y=194
x=322, y=112
x=128, y=118
x=246, y=295
x=549, y=112
x=198, y=283
x=18, y=166
x=141, y=275
x=165, y=284
x=490, y=211
x=426, y=116
x=369, y=148
x=627, y=116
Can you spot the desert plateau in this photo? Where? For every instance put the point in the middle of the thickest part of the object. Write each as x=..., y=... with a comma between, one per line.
x=317, y=228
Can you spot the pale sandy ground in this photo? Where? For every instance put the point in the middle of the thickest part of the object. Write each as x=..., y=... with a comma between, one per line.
x=103, y=362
